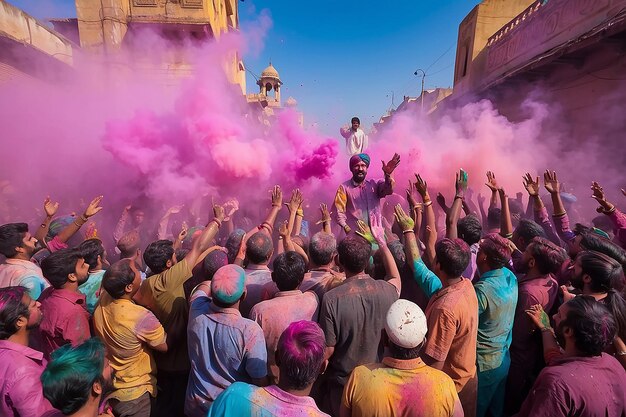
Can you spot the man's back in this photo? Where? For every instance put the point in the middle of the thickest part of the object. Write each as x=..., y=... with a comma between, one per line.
x=25, y=273
x=259, y=287
x=578, y=386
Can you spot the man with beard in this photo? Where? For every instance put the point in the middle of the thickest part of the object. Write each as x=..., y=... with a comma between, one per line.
x=77, y=378
x=584, y=381
x=536, y=285
x=358, y=198
x=20, y=366
x=65, y=316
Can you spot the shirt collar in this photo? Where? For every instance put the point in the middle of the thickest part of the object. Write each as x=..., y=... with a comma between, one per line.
x=357, y=276
x=255, y=267
x=525, y=278
x=360, y=185
x=71, y=296
x=288, y=293
x=404, y=364
x=225, y=310
x=27, y=264
x=24, y=350
x=284, y=396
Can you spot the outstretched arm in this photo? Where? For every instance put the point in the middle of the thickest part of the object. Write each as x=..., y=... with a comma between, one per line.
x=452, y=218
x=429, y=218
x=617, y=217
x=91, y=210
x=50, y=208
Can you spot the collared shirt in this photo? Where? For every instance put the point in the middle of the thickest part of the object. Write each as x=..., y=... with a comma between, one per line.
x=164, y=295
x=275, y=315
x=224, y=347
x=65, y=319
x=452, y=316
x=364, y=201
x=578, y=386
x=356, y=141
x=399, y=388
x=321, y=281
x=128, y=331
x=352, y=317
x=496, y=291
x=91, y=289
x=21, y=393
x=259, y=287
x=241, y=399
x=25, y=273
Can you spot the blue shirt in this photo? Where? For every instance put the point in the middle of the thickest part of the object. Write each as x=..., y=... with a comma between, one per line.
x=244, y=400
x=496, y=291
x=91, y=289
x=224, y=347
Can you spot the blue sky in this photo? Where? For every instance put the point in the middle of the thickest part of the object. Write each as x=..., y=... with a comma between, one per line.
x=342, y=58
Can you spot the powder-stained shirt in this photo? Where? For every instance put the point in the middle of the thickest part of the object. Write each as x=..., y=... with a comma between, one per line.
x=21, y=393
x=321, y=280
x=399, y=388
x=241, y=400
x=224, y=347
x=259, y=287
x=364, y=201
x=352, y=317
x=24, y=273
x=578, y=386
x=356, y=141
x=91, y=289
x=64, y=319
x=128, y=331
x=275, y=315
x=452, y=316
x=496, y=291
x=164, y=295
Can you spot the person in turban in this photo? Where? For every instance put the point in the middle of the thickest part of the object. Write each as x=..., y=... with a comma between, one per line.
x=359, y=198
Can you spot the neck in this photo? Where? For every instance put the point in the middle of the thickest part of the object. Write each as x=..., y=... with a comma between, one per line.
x=20, y=337
x=70, y=286
x=597, y=295
x=451, y=280
x=352, y=274
x=570, y=350
x=533, y=273
x=298, y=392
x=22, y=256
x=90, y=409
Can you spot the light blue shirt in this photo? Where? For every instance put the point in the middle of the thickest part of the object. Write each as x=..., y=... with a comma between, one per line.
x=91, y=289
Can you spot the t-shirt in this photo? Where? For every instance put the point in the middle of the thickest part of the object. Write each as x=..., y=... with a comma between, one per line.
x=164, y=295
x=91, y=289
x=224, y=347
x=352, y=317
x=452, y=316
x=129, y=330
x=245, y=400
x=259, y=287
x=399, y=388
x=275, y=315
x=321, y=281
x=578, y=386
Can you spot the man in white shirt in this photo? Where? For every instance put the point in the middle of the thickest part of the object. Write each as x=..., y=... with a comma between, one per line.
x=356, y=139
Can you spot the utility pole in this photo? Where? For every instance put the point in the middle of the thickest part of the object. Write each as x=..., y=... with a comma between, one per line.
x=422, y=93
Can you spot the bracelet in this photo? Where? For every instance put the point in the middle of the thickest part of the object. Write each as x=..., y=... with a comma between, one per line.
x=275, y=205
x=428, y=203
x=84, y=218
x=266, y=224
x=546, y=329
x=559, y=214
x=621, y=353
x=76, y=223
x=609, y=211
x=216, y=221
x=408, y=231
x=458, y=196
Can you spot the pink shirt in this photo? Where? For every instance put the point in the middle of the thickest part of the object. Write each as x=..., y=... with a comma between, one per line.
x=363, y=201
x=21, y=393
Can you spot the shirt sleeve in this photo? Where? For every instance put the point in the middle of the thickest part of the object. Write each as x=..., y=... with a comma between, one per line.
x=172, y=278
x=327, y=323
x=348, y=391
x=55, y=244
x=542, y=218
x=562, y=227
x=26, y=394
x=256, y=353
x=482, y=300
x=150, y=330
x=425, y=278
x=619, y=225
x=441, y=332
x=77, y=329
x=384, y=187
x=34, y=285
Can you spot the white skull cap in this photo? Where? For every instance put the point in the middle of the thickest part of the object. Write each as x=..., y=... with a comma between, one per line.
x=406, y=324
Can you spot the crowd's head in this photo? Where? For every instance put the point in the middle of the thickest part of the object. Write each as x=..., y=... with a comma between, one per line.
x=122, y=279
x=94, y=253
x=494, y=253
x=18, y=311
x=354, y=254
x=358, y=166
x=406, y=328
x=160, y=255
x=16, y=240
x=322, y=248
x=469, y=229
x=228, y=286
x=452, y=256
x=542, y=255
x=259, y=248
x=288, y=270
x=65, y=266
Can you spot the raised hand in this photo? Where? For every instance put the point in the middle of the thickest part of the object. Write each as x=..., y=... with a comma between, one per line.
x=49, y=207
x=93, y=207
x=341, y=199
x=532, y=186
x=566, y=294
x=441, y=200
x=539, y=317
x=460, y=183
x=480, y=199
x=283, y=229
x=296, y=200
x=230, y=208
x=183, y=232
x=364, y=231
x=598, y=193
x=378, y=232
x=390, y=166
x=325, y=214
x=410, y=197
x=218, y=212
x=421, y=186
x=277, y=196
x=491, y=181
x=551, y=182
x=405, y=222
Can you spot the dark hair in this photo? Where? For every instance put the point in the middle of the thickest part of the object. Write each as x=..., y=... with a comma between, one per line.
x=493, y=217
x=354, y=253
x=322, y=248
x=289, y=269
x=528, y=229
x=548, y=256
x=128, y=244
x=157, y=254
x=233, y=243
x=605, y=272
x=453, y=256
x=58, y=265
x=11, y=237
x=398, y=352
x=355, y=119
x=397, y=251
x=469, y=229
x=300, y=354
x=592, y=324
x=212, y=262
x=592, y=241
x=259, y=248
x=497, y=250
x=11, y=309
x=117, y=277
x=69, y=377
x=91, y=249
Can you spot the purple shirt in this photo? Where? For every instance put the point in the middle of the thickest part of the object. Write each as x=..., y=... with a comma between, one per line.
x=578, y=386
x=21, y=393
x=619, y=227
x=65, y=319
x=363, y=201
x=259, y=287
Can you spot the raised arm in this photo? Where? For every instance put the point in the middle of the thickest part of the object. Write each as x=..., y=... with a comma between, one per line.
x=452, y=218
x=92, y=209
x=429, y=217
x=325, y=221
x=277, y=201
x=165, y=220
x=178, y=242
x=386, y=188
x=540, y=319
x=393, y=274
x=506, y=226
x=118, y=232
x=535, y=204
x=493, y=186
x=551, y=183
x=617, y=217
x=203, y=242
x=50, y=209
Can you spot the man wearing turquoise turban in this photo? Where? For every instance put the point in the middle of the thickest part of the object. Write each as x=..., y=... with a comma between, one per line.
x=358, y=198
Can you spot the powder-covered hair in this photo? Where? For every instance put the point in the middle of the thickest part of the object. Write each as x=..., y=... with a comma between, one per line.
x=300, y=353
x=497, y=250
x=11, y=309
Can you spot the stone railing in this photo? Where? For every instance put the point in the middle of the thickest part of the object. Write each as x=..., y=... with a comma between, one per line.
x=518, y=20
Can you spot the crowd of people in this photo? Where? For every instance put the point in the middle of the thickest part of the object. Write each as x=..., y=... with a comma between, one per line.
x=414, y=309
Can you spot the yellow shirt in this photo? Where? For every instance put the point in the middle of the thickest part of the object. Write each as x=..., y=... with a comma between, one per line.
x=128, y=331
